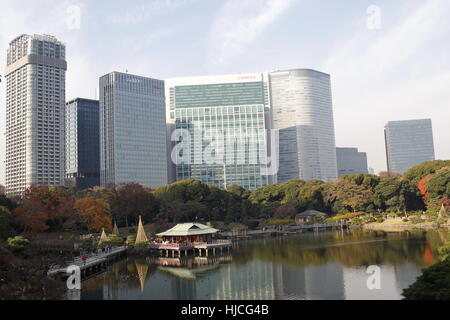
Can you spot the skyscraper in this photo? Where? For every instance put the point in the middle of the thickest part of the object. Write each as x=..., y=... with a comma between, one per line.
x=132, y=130
x=351, y=161
x=408, y=143
x=82, y=143
x=226, y=118
x=35, y=97
x=302, y=110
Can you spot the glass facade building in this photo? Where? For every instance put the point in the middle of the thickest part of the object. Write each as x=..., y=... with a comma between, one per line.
x=82, y=143
x=302, y=110
x=225, y=117
x=35, y=97
x=408, y=143
x=132, y=130
x=351, y=161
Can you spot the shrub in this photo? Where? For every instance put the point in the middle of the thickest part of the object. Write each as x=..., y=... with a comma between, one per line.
x=18, y=243
x=416, y=220
x=115, y=240
x=356, y=221
x=281, y=222
x=444, y=252
x=131, y=240
x=346, y=216
x=433, y=284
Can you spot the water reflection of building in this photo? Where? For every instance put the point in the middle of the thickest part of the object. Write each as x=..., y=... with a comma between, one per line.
x=356, y=284
x=257, y=280
x=316, y=282
x=406, y=274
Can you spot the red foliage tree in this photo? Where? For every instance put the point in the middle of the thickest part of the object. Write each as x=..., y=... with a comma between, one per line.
x=44, y=208
x=422, y=186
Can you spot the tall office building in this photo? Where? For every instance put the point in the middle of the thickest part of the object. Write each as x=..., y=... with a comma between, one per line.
x=351, y=161
x=35, y=96
x=303, y=112
x=132, y=130
x=82, y=143
x=226, y=120
x=408, y=143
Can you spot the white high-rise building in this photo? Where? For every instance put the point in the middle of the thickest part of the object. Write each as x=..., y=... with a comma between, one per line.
x=35, y=97
x=302, y=110
x=132, y=130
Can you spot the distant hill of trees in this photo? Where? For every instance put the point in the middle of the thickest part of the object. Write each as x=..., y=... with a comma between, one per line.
x=425, y=187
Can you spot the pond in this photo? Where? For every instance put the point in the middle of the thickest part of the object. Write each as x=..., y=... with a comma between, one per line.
x=318, y=266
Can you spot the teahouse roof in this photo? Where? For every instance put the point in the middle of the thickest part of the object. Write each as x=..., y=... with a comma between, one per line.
x=188, y=229
x=309, y=213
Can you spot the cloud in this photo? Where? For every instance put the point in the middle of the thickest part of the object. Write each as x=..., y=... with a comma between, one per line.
x=241, y=22
x=393, y=74
x=139, y=14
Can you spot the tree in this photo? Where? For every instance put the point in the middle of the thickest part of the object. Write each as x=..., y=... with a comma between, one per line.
x=135, y=200
x=438, y=186
x=45, y=208
x=417, y=173
x=279, y=193
x=94, y=214
x=18, y=243
x=422, y=186
x=239, y=191
x=6, y=219
x=312, y=196
x=31, y=217
x=285, y=211
x=349, y=194
x=397, y=195
x=433, y=284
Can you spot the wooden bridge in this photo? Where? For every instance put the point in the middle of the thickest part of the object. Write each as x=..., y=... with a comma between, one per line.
x=93, y=264
x=284, y=230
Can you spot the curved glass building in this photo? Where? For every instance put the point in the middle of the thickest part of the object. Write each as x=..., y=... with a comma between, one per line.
x=302, y=110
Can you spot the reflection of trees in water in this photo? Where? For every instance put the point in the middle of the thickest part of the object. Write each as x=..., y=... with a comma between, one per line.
x=357, y=248
x=129, y=273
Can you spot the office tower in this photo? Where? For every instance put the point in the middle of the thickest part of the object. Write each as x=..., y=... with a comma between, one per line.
x=35, y=97
x=132, y=130
x=82, y=143
x=408, y=143
x=226, y=119
x=351, y=161
x=303, y=112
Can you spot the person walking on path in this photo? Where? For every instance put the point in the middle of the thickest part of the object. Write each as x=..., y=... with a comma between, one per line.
x=84, y=258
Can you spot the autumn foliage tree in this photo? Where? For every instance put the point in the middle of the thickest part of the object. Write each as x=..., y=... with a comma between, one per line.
x=134, y=200
x=44, y=208
x=422, y=186
x=94, y=214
